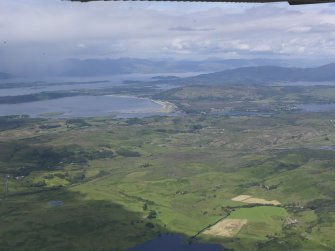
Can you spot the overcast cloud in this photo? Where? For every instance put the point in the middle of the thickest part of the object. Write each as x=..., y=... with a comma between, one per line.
x=47, y=30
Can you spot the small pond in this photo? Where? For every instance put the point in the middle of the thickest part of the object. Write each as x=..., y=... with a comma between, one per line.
x=55, y=203
x=328, y=148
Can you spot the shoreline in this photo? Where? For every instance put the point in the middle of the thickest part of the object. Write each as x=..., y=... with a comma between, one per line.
x=166, y=107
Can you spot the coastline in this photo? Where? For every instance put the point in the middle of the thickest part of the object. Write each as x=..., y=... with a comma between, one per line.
x=166, y=107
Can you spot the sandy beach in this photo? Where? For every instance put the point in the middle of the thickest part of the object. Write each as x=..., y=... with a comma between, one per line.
x=166, y=106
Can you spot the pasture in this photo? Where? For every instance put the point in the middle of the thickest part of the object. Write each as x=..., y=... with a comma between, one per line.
x=131, y=179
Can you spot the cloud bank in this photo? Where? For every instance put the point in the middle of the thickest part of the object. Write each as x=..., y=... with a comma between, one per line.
x=47, y=30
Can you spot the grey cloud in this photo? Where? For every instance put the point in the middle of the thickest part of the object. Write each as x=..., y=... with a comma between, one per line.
x=315, y=28
x=40, y=30
x=186, y=28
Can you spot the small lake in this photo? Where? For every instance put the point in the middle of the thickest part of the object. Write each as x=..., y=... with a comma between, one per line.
x=317, y=107
x=172, y=242
x=55, y=203
x=85, y=106
x=328, y=148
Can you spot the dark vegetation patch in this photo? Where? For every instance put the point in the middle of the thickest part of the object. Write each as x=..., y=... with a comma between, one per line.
x=285, y=160
x=15, y=121
x=49, y=126
x=135, y=121
x=88, y=222
x=322, y=205
x=77, y=123
x=20, y=159
x=128, y=153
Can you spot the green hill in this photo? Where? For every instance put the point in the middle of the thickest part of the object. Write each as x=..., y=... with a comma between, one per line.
x=264, y=75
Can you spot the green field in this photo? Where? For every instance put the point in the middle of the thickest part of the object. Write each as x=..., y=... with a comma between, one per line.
x=123, y=181
x=262, y=221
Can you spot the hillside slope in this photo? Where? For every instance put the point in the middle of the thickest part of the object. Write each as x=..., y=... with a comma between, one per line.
x=264, y=75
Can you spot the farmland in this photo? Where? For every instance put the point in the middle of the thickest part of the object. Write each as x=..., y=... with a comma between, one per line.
x=124, y=181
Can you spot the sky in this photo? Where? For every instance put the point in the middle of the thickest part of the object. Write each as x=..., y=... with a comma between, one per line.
x=49, y=30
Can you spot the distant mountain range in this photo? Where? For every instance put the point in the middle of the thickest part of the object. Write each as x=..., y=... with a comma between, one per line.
x=263, y=75
x=104, y=67
x=4, y=75
x=226, y=70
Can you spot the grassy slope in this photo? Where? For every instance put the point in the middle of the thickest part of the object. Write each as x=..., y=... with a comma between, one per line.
x=186, y=174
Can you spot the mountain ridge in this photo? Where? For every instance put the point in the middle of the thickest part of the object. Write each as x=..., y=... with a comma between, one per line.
x=263, y=75
x=98, y=67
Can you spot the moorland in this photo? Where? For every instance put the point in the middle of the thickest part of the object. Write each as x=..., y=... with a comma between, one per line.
x=237, y=165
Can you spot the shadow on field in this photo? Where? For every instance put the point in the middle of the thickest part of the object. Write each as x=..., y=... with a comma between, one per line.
x=30, y=223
